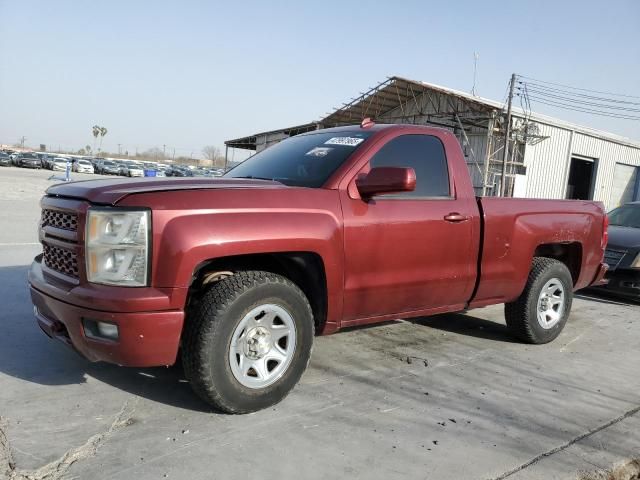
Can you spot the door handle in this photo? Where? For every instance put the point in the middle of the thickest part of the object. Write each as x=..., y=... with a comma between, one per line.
x=456, y=217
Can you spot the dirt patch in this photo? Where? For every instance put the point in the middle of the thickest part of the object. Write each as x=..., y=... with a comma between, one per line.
x=627, y=471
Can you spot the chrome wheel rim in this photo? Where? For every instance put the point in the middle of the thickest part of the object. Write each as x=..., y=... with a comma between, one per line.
x=262, y=346
x=551, y=303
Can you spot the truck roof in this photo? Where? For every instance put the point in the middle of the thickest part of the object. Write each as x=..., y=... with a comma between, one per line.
x=376, y=127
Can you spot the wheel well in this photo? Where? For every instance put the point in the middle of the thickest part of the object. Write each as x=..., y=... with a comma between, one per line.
x=305, y=269
x=568, y=253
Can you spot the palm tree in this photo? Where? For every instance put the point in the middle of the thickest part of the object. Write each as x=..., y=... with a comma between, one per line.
x=103, y=132
x=95, y=130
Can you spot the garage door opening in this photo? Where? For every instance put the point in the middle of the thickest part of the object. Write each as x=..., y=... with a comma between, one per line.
x=581, y=177
x=626, y=185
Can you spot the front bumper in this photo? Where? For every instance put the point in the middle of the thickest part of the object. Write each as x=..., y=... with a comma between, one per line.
x=146, y=338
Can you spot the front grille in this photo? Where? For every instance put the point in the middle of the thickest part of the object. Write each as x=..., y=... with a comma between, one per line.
x=613, y=257
x=60, y=260
x=60, y=219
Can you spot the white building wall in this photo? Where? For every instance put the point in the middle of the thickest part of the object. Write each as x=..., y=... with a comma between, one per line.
x=548, y=162
x=477, y=149
x=547, y=165
x=607, y=154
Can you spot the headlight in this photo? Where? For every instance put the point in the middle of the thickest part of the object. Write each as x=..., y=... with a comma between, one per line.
x=636, y=262
x=117, y=246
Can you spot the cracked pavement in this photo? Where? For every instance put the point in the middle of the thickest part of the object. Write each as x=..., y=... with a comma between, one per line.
x=447, y=397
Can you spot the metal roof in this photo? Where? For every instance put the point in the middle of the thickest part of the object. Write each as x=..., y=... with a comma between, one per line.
x=397, y=91
x=249, y=142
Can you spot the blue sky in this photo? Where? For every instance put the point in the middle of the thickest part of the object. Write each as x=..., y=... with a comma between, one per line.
x=188, y=74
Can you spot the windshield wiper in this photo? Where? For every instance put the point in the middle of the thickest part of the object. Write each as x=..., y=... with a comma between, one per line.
x=252, y=177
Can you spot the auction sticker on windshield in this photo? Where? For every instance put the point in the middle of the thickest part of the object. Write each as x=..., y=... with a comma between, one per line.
x=346, y=141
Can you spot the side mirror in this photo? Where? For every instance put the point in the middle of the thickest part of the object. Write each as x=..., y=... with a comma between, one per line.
x=383, y=180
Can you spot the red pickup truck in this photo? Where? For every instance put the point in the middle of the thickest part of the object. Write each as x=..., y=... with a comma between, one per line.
x=330, y=229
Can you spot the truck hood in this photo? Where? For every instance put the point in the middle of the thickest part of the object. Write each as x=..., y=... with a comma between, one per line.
x=110, y=191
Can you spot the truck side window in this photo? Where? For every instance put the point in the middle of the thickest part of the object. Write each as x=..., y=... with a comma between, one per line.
x=426, y=155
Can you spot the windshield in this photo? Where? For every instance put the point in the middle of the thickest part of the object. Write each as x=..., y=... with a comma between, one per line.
x=304, y=161
x=625, y=216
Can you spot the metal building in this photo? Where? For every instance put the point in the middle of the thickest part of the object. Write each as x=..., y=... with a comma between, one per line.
x=547, y=158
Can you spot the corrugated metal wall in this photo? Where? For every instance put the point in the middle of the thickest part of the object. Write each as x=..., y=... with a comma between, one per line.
x=267, y=139
x=607, y=155
x=477, y=148
x=548, y=162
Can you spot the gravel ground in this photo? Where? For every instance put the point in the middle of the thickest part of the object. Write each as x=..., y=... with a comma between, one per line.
x=447, y=397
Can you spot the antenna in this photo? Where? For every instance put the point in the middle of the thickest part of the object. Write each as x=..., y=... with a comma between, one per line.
x=476, y=56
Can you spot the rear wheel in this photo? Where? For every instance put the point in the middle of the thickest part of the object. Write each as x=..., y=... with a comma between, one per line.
x=248, y=341
x=541, y=311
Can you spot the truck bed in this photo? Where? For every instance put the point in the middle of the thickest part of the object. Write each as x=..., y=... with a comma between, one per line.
x=514, y=230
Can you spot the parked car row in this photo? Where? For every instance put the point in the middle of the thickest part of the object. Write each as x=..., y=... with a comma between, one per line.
x=134, y=168
x=19, y=159
x=103, y=166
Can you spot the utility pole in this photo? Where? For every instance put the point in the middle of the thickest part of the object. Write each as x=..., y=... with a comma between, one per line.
x=507, y=134
x=164, y=147
x=475, y=72
x=119, y=151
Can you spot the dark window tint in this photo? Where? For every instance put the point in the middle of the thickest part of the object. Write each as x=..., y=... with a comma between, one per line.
x=425, y=154
x=305, y=160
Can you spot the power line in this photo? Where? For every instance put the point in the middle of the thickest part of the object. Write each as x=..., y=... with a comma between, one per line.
x=582, y=102
x=581, y=89
x=570, y=98
x=557, y=91
x=584, y=110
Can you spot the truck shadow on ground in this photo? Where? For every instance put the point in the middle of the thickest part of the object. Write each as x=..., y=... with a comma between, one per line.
x=28, y=354
x=468, y=325
x=459, y=323
x=606, y=297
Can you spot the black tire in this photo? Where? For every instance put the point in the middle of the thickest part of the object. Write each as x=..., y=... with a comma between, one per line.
x=521, y=315
x=209, y=329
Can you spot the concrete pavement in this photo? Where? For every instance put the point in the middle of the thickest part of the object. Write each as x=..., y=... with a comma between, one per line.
x=447, y=397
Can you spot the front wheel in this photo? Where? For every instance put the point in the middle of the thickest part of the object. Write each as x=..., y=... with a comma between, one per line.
x=541, y=311
x=248, y=341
